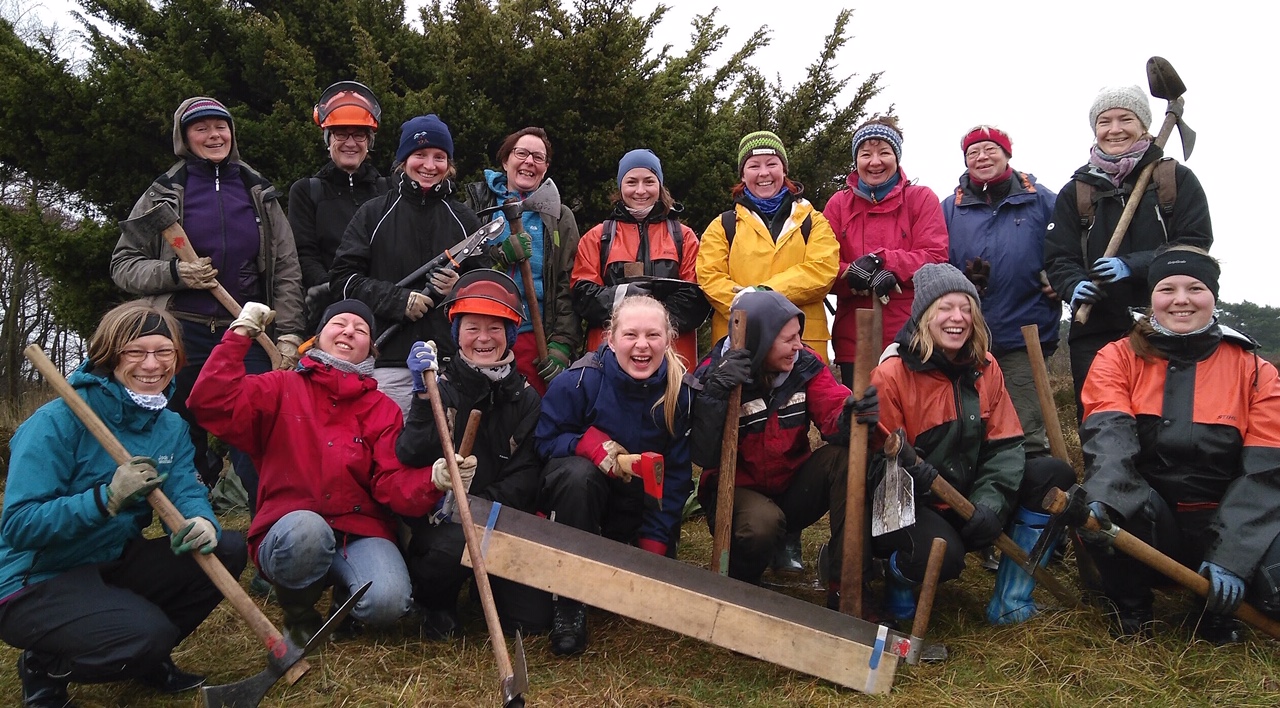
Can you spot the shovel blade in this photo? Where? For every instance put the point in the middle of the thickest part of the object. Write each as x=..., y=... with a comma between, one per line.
x=894, y=505
x=1163, y=81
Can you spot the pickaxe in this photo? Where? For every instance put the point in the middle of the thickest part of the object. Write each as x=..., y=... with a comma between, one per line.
x=650, y=467
x=1164, y=83
x=1067, y=506
x=161, y=219
x=283, y=657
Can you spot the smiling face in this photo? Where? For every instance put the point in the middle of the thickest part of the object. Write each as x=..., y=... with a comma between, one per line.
x=348, y=146
x=146, y=365
x=1182, y=304
x=782, y=355
x=345, y=336
x=209, y=138
x=526, y=164
x=986, y=161
x=428, y=166
x=876, y=162
x=763, y=175
x=482, y=339
x=1117, y=130
x=951, y=323
x=639, y=338
x=640, y=188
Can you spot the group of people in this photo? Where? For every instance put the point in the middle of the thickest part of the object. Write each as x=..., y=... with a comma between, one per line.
x=338, y=447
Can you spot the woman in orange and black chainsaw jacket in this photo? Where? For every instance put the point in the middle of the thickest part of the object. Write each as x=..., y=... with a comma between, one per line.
x=939, y=383
x=1181, y=441
x=644, y=227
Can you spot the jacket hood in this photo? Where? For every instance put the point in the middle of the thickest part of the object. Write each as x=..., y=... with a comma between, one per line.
x=179, y=138
x=767, y=313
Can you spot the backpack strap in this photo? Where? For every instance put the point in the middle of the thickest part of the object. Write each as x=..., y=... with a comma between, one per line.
x=677, y=235
x=805, y=227
x=606, y=242
x=316, y=187
x=1084, y=205
x=1166, y=184
x=729, y=222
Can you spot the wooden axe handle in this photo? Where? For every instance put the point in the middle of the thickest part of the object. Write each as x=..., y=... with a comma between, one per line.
x=177, y=239
x=855, y=507
x=470, y=432
x=1048, y=411
x=535, y=314
x=928, y=589
x=720, y=539
x=169, y=514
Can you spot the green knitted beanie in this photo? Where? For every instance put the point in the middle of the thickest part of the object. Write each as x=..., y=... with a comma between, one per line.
x=761, y=142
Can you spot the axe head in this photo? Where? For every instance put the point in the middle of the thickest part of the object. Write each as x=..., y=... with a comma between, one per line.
x=152, y=222
x=1163, y=81
x=515, y=685
x=1074, y=511
x=652, y=470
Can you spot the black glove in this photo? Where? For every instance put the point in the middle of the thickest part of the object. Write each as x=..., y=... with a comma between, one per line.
x=865, y=410
x=862, y=270
x=922, y=474
x=1098, y=539
x=978, y=272
x=733, y=369
x=982, y=528
x=317, y=298
x=883, y=283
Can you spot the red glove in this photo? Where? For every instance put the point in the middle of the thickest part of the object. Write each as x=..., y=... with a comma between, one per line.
x=597, y=446
x=652, y=546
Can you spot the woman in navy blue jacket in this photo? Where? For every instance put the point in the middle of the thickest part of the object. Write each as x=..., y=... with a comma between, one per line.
x=628, y=397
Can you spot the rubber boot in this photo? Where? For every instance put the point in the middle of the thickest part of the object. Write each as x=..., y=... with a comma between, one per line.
x=1011, y=601
x=568, y=627
x=789, y=558
x=301, y=618
x=1220, y=630
x=899, y=592
x=40, y=689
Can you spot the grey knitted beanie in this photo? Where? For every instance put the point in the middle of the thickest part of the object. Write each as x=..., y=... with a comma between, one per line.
x=1130, y=97
x=934, y=280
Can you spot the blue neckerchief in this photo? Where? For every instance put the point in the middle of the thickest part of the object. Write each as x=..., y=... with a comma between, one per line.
x=879, y=192
x=769, y=206
x=532, y=222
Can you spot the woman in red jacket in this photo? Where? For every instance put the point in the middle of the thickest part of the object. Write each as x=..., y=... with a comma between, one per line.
x=887, y=228
x=323, y=437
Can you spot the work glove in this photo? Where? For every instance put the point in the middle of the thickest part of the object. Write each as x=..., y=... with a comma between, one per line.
x=317, y=297
x=978, y=271
x=132, y=482
x=740, y=291
x=634, y=289
x=466, y=470
x=514, y=249
x=860, y=272
x=865, y=410
x=1226, y=589
x=1086, y=292
x=197, y=533
x=288, y=345
x=198, y=274
x=557, y=361
x=603, y=451
x=422, y=357
x=1109, y=270
x=733, y=370
x=254, y=317
x=883, y=283
x=982, y=528
x=442, y=282
x=1098, y=539
x=913, y=463
x=417, y=306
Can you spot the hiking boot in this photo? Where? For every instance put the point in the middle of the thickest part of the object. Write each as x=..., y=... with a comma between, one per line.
x=788, y=558
x=568, y=627
x=1220, y=630
x=166, y=677
x=1131, y=622
x=440, y=624
x=39, y=688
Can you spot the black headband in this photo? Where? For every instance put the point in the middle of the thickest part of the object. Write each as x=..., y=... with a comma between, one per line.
x=154, y=324
x=1190, y=263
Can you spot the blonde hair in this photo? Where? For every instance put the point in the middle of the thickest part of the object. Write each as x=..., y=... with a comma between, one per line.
x=974, y=350
x=123, y=324
x=675, y=365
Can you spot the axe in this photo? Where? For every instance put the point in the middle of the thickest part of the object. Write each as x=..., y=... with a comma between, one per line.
x=283, y=657
x=650, y=467
x=1063, y=504
x=726, y=480
x=1164, y=83
x=162, y=219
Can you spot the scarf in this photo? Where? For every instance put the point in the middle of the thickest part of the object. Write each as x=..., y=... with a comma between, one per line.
x=1160, y=329
x=364, y=368
x=149, y=401
x=879, y=192
x=1118, y=167
x=639, y=214
x=769, y=206
x=493, y=372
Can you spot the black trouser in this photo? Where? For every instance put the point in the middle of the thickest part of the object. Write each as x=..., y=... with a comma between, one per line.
x=1082, y=351
x=117, y=620
x=913, y=543
x=1181, y=535
x=437, y=575
x=585, y=498
x=760, y=522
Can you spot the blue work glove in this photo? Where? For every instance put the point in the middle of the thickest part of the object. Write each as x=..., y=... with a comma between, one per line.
x=1110, y=270
x=982, y=528
x=1086, y=292
x=1226, y=589
x=422, y=357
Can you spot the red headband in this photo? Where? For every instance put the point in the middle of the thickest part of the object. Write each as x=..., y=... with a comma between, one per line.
x=986, y=132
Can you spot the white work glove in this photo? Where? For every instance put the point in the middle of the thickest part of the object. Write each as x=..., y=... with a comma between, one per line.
x=254, y=317
x=198, y=274
x=740, y=291
x=288, y=345
x=443, y=280
x=417, y=306
x=132, y=482
x=196, y=534
x=466, y=470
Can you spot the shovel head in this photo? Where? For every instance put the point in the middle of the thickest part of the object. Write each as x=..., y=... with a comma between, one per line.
x=894, y=505
x=1163, y=81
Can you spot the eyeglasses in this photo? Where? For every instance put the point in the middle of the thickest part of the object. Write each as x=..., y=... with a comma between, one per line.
x=137, y=356
x=359, y=136
x=989, y=151
x=539, y=158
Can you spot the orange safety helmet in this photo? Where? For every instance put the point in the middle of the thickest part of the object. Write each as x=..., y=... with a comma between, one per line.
x=485, y=292
x=348, y=103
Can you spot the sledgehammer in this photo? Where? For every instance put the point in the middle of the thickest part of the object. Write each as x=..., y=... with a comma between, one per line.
x=650, y=467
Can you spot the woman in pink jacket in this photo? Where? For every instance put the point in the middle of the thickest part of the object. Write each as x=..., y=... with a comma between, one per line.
x=887, y=228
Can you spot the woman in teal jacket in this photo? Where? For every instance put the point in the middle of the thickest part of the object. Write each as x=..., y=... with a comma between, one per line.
x=82, y=592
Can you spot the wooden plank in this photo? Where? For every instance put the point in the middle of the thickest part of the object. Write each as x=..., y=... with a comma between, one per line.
x=686, y=599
